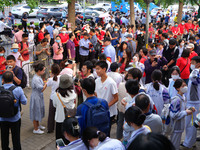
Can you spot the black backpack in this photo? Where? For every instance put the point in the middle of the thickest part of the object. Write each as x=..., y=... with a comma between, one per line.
x=22, y=45
x=7, y=100
x=36, y=39
x=24, y=77
x=98, y=48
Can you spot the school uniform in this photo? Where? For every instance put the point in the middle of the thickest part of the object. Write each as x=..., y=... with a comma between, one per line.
x=178, y=113
x=75, y=145
x=193, y=100
x=110, y=144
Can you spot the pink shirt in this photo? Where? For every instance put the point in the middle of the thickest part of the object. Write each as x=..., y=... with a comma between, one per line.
x=16, y=55
x=18, y=36
x=55, y=50
x=67, y=71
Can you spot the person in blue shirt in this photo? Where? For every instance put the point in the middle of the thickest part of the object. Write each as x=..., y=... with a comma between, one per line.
x=50, y=29
x=167, y=19
x=88, y=88
x=13, y=123
x=109, y=50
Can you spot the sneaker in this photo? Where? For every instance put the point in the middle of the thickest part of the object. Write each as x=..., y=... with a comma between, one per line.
x=41, y=127
x=38, y=131
x=182, y=147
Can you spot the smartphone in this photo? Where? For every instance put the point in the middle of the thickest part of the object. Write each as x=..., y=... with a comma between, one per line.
x=9, y=68
x=155, y=59
x=60, y=142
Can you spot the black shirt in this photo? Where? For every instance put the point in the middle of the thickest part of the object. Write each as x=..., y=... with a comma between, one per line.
x=171, y=54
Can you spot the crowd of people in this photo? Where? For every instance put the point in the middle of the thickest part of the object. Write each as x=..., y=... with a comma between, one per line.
x=102, y=74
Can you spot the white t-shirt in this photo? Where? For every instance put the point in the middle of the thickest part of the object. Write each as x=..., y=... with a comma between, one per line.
x=106, y=90
x=116, y=77
x=54, y=85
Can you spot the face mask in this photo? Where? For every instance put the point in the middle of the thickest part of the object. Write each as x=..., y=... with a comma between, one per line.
x=31, y=30
x=182, y=44
x=115, y=29
x=192, y=67
x=183, y=23
x=176, y=25
x=99, y=28
x=175, y=77
x=1, y=54
x=69, y=31
x=58, y=41
x=63, y=32
x=15, y=50
x=184, y=89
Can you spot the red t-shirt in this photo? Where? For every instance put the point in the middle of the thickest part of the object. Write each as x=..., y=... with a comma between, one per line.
x=143, y=59
x=102, y=33
x=181, y=63
x=188, y=26
x=165, y=31
x=76, y=42
x=2, y=66
x=64, y=38
x=192, y=54
x=151, y=29
x=40, y=36
x=181, y=27
x=195, y=27
x=25, y=54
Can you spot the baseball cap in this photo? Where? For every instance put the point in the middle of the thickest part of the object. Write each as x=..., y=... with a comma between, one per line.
x=129, y=36
x=152, y=52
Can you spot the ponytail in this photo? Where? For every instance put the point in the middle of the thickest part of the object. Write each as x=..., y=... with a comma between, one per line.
x=156, y=85
x=102, y=136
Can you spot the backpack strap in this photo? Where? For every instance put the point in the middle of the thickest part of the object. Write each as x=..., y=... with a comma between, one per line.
x=21, y=45
x=12, y=88
x=16, y=71
x=90, y=104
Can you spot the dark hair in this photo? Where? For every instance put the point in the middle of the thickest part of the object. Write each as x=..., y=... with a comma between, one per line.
x=102, y=57
x=90, y=133
x=135, y=73
x=165, y=35
x=89, y=65
x=64, y=92
x=151, y=141
x=55, y=70
x=192, y=38
x=144, y=50
x=142, y=101
x=179, y=41
x=102, y=64
x=24, y=35
x=11, y=57
x=175, y=68
x=178, y=83
x=186, y=53
x=121, y=46
x=151, y=45
x=44, y=40
x=38, y=67
x=128, y=53
x=46, y=33
x=196, y=59
x=156, y=76
x=71, y=34
x=7, y=77
x=132, y=86
x=58, y=36
x=71, y=126
x=172, y=42
x=2, y=49
x=92, y=30
x=20, y=27
x=88, y=84
x=41, y=25
x=134, y=115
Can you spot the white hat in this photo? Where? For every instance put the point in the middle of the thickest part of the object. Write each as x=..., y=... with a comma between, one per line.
x=190, y=45
x=14, y=46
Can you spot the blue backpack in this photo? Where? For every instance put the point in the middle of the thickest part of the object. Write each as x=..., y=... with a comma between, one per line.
x=98, y=116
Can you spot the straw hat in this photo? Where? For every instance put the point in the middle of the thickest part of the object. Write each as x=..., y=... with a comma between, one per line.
x=15, y=45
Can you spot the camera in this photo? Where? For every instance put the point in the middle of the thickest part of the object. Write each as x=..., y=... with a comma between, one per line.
x=197, y=121
x=156, y=59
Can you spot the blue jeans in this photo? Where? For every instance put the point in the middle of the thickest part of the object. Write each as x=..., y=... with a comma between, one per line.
x=1, y=79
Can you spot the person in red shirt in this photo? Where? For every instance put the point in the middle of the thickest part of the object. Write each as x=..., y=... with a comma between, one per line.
x=24, y=50
x=189, y=25
x=164, y=28
x=190, y=46
x=151, y=30
x=184, y=65
x=64, y=39
x=76, y=42
x=41, y=33
x=176, y=30
x=125, y=60
x=2, y=63
x=182, y=27
x=195, y=27
x=100, y=30
x=143, y=53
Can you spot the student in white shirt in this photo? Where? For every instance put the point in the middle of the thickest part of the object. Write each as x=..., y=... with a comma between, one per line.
x=114, y=74
x=135, y=118
x=71, y=131
x=97, y=140
x=53, y=82
x=106, y=88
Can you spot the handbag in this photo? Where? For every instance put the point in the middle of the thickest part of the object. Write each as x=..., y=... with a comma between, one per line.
x=68, y=112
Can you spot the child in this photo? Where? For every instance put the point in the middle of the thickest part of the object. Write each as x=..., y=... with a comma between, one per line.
x=16, y=54
x=178, y=112
x=2, y=63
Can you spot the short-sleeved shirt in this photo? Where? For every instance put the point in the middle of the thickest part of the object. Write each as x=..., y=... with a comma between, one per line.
x=16, y=55
x=63, y=37
x=18, y=73
x=25, y=54
x=2, y=66
x=18, y=36
x=109, y=51
x=106, y=90
x=43, y=55
x=84, y=43
x=40, y=36
x=70, y=45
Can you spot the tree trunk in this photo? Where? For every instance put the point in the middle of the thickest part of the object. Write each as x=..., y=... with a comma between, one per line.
x=132, y=13
x=180, y=11
x=71, y=14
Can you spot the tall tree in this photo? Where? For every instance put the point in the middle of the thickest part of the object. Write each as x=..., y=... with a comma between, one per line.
x=132, y=13
x=71, y=13
x=180, y=11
